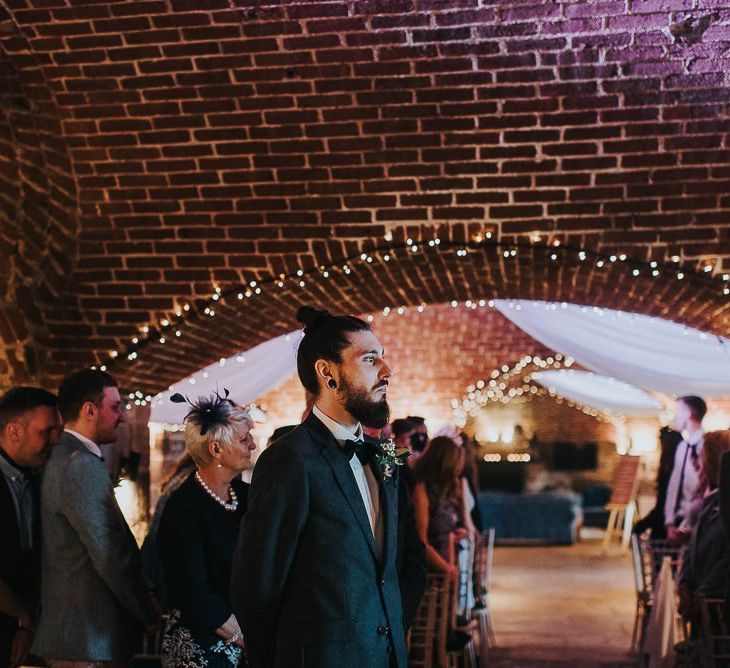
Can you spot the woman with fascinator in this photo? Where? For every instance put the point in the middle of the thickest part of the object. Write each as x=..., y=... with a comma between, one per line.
x=197, y=537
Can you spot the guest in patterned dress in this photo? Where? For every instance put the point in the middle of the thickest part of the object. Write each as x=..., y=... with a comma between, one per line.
x=438, y=500
x=197, y=537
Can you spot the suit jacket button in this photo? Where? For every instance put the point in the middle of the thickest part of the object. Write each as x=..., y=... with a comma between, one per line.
x=382, y=630
x=382, y=582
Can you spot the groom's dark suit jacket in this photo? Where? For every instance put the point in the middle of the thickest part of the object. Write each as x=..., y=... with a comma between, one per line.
x=308, y=586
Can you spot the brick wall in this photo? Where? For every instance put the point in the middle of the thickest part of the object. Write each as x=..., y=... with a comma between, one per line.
x=37, y=202
x=434, y=354
x=214, y=143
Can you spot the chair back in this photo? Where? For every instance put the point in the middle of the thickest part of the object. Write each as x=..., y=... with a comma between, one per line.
x=422, y=637
x=652, y=556
x=714, y=632
x=642, y=576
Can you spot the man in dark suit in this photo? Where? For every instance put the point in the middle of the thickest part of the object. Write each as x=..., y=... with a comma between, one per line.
x=29, y=427
x=314, y=578
x=94, y=598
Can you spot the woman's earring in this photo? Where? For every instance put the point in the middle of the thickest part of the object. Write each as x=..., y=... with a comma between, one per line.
x=332, y=384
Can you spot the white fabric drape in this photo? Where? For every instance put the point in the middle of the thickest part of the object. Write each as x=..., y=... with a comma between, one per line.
x=660, y=631
x=600, y=392
x=653, y=354
x=248, y=376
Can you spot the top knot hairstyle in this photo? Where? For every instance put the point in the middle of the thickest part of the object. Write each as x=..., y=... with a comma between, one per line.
x=325, y=337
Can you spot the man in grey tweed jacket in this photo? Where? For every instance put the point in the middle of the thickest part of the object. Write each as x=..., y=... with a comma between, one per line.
x=94, y=599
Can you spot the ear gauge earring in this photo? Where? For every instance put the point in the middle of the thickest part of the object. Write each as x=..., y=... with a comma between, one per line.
x=332, y=384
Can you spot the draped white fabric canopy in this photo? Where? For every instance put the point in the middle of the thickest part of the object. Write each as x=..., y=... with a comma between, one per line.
x=248, y=376
x=653, y=354
x=600, y=392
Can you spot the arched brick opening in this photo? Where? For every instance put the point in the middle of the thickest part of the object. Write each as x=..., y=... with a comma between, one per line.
x=218, y=143
x=239, y=316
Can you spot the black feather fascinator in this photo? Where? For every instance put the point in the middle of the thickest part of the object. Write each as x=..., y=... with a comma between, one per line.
x=207, y=412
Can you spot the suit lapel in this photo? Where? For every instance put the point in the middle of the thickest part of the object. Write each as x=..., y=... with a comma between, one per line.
x=387, y=508
x=344, y=476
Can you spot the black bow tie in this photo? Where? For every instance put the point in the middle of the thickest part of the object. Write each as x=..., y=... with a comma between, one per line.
x=365, y=451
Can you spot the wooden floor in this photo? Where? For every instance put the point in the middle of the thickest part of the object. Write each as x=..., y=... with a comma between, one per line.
x=562, y=606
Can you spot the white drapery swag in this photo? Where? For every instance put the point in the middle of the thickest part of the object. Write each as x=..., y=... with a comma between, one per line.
x=248, y=375
x=605, y=394
x=653, y=354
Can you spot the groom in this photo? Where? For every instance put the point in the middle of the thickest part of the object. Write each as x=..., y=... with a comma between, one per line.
x=314, y=577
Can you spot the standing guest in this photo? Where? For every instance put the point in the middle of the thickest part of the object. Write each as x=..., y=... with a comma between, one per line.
x=706, y=563
x=94, y=599
x=29, y=428
x=148, y=551
x=279, y=432
x=441, y=511
x=197, y=537
x=654, y=520
x=419, y=435
x=439, y=503
x=402, y=430
x=470, y=476
x=314, y=579
x=683, y=482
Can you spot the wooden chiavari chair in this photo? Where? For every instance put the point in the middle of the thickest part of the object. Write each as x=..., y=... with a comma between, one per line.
x=714, y=633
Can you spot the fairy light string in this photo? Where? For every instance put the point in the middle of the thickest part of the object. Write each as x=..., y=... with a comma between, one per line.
x=171, y=327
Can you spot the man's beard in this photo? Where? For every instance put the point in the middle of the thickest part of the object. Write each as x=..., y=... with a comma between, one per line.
x=366, y=411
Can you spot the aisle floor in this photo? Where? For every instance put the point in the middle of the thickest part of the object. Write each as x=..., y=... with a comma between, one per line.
x=559, y=606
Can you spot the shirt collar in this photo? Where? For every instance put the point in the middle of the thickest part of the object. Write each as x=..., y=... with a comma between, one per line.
x=695, y=438
x=340, y=432
x=9, y=468
x=92, y=447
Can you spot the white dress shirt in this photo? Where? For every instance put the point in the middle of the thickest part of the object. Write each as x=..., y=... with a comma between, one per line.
x=364, y=477
x=92, y=447
x=689, y=480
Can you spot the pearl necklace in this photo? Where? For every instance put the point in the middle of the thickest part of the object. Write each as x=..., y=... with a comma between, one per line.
x=233, y=505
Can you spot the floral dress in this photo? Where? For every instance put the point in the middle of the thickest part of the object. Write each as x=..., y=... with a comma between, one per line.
x=181, y=650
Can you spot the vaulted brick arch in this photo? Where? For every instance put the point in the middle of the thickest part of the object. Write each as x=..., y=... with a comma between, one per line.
x=37, y=208
x=214, y=143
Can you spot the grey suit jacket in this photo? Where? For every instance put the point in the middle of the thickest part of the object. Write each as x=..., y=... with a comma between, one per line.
x=94, y=598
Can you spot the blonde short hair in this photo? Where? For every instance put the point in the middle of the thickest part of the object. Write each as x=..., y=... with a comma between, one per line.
x=197, y=444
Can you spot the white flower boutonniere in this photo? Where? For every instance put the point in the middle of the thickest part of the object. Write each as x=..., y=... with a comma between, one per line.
x=388, y=456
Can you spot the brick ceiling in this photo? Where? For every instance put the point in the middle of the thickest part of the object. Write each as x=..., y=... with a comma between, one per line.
x=153, y=151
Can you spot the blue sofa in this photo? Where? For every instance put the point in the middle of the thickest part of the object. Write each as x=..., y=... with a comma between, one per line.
x=552, y=517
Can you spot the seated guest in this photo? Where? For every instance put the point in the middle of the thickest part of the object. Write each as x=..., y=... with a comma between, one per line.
x=706, y=564
x=197, y=537
x=29, y=428
x=94, y=597
x=654, y=520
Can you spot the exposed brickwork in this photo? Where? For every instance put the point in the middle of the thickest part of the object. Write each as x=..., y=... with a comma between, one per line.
x=37, y=220
x=435, y=355
x=220, y=141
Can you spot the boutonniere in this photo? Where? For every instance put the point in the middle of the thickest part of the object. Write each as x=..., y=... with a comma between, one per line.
x=388, y=456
